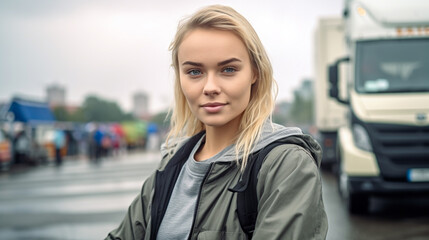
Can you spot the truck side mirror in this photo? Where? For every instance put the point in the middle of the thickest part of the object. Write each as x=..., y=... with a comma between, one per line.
x=333, y=79
x=333, y=71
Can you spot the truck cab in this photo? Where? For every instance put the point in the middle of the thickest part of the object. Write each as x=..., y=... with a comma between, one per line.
x=384, y=147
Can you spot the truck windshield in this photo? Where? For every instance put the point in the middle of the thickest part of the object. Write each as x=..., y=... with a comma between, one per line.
x=387, y=66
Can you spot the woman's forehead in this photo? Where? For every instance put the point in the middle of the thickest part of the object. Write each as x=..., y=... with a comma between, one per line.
x=211, y=44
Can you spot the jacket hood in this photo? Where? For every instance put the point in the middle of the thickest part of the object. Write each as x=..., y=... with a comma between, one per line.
x=308, y=143
x=289, y=135
x=271, y=132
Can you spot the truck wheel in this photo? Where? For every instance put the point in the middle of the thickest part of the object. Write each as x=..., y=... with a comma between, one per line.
x=356, y=203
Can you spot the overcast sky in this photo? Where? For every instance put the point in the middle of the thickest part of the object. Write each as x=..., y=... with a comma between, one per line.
x=115, y=48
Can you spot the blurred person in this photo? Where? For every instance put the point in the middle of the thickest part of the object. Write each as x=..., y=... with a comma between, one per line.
x=21, y=147
x=59, y=142
x=221, y=117
x=153, y=138
x=116, y=144
x=98, y=140
x=106, y=144
x=91, y=145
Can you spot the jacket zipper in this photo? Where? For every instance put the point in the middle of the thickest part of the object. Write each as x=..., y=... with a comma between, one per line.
x=198, y=200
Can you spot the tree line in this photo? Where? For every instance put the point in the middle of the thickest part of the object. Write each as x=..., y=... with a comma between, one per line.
x=299, y=112
x=93, y=109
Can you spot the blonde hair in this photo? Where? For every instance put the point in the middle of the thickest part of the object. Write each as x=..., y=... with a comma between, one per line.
x=261, y=104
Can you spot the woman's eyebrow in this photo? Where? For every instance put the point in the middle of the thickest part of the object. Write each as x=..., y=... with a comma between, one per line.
x=229, y=61
x=192, y=63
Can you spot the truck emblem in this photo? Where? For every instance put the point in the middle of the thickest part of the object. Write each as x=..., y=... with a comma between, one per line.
x=421, y=117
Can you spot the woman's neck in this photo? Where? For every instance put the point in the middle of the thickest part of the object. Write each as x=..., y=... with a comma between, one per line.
x=217, y=139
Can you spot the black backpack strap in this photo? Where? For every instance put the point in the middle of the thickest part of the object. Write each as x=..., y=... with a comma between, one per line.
x=247, y=199
x=165, y=181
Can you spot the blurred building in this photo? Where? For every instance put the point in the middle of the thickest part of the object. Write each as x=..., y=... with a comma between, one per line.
x=3, y=108
x=56, y=95
x=141, y=105
x=305, y=91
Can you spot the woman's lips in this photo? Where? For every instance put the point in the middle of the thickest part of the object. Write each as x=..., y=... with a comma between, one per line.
x=213, y=107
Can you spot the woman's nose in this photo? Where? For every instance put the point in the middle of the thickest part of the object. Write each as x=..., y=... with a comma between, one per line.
x=211, y=87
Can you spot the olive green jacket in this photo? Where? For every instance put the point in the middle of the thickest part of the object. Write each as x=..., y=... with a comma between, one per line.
x=289, y=190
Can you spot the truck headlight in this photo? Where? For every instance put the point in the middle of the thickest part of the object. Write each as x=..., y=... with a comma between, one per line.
x=361, y=138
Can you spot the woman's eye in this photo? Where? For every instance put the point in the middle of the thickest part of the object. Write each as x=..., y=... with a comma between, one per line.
x=194, y=72
x=229, y=70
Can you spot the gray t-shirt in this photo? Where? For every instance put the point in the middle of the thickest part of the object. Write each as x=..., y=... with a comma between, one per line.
x=179, y=215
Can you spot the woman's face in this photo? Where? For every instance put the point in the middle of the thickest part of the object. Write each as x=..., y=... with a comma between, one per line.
x=215, y=76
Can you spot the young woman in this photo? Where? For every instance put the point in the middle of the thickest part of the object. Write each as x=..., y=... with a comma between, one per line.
x=224, y=99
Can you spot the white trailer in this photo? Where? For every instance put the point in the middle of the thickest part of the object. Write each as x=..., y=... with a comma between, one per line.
x=329, y=114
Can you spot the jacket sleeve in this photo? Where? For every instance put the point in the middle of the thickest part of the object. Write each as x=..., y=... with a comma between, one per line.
x=290, y=196
x=135, y=222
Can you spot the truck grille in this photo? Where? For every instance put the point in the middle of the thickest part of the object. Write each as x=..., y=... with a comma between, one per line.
x=399, y=148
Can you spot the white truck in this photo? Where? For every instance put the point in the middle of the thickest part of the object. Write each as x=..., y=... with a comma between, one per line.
x=384, y=147
x=329, y=114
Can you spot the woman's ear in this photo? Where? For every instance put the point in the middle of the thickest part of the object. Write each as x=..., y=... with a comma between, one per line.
x=254, y=77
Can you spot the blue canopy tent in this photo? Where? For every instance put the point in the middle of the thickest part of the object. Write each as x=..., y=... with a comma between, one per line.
x=31, y=112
